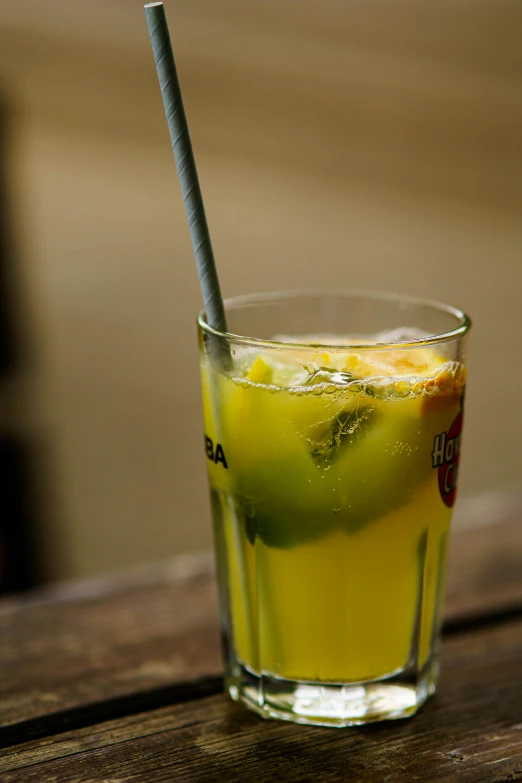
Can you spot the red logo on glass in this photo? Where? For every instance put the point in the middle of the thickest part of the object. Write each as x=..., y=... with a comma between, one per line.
x=446, y=456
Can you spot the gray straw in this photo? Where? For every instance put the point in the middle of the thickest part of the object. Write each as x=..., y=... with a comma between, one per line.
x=185, y=164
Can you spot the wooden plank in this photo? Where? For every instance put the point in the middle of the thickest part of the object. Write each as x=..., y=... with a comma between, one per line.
x=485, y=559
x=103, y=639
x=471, y=731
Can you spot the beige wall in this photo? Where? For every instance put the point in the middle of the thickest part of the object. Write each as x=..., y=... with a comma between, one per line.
x=365, y=144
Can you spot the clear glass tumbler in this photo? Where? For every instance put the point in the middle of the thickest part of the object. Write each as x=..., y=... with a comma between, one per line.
x=332, y=430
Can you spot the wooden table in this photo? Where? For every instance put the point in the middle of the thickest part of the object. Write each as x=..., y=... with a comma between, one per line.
x=119, y=680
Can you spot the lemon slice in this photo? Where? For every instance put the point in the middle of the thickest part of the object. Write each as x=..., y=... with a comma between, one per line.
x=418, y=362
x=284, y=372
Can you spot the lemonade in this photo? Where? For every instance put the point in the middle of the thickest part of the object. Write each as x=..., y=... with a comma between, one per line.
x=333, y=474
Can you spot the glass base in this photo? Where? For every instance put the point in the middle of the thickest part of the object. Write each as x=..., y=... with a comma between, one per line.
x=320, y=704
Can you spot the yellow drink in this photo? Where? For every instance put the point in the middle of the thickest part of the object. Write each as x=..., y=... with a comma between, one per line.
x=334, y=530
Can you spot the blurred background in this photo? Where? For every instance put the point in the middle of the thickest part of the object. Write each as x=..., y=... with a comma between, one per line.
x=362, y=143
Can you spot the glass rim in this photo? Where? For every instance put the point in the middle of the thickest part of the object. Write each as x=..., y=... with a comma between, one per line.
x=265, y=297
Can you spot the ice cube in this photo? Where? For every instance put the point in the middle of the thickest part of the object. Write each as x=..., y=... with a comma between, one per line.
x=401, y=334
x=325, y=375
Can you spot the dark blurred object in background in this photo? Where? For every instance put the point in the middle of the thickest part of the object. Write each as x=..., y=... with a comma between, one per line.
x=9, y=345
x=17, y=549
x=18, y=568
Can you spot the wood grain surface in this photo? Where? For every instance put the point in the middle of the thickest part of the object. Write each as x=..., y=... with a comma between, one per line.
x=485, y=558
x=100, y=642
x=106, y=639
x=471, y=731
